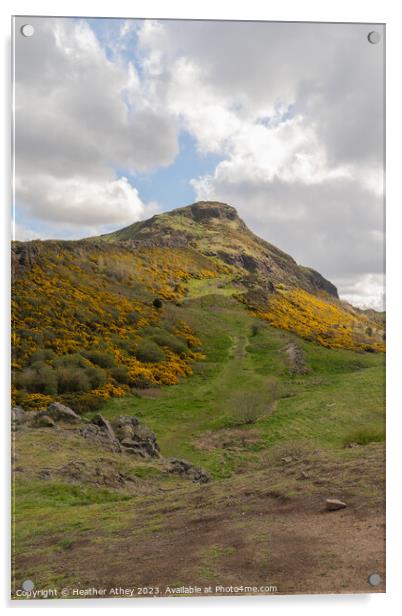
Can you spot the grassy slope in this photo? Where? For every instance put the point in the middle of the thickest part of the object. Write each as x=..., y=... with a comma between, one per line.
x=342, y=394
x=63, y=531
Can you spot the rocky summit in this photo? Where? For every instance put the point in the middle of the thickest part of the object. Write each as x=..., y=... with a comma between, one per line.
x=215, y=230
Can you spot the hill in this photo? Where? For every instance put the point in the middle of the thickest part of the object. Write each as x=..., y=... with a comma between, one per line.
x=220, y=394
x=76, y=300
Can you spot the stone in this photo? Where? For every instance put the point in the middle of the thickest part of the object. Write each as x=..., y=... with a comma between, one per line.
x=185, y=468
x=18, y=417
x=333, y=504
x=43, y=420
x=124, y=427
x=18, y=414
x=136, y=438
x=100, y=430
x=103, y=423
x=146, y=447
x=59, y=412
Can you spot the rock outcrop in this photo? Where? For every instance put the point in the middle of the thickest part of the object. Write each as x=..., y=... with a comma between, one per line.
x=125, y=434
x=185, y=468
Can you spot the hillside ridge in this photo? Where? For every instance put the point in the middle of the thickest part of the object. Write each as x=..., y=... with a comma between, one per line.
x=216, y=230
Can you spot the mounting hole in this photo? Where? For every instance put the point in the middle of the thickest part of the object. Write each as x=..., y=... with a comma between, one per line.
x=27, y=30
x=374, y=37
x=28, y=585
x=374, y=579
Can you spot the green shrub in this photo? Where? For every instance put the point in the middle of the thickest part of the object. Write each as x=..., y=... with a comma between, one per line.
x=71, y=379
x=43, y=355
x=83, y=403
x=104, y=360
x=165, y=339
x=120, y=374
x=125, y=344
x=140, y=382
x=72, y=360
x=39, y=378
x=149, y=352
x=246, y=407
x=97, y=376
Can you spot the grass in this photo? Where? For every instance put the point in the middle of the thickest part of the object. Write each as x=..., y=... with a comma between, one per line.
x=339, y=401
x=341, y=393
x=366, y=435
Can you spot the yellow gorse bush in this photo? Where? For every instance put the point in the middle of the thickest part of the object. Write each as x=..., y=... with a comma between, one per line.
x=101, y=297
x=323, y=320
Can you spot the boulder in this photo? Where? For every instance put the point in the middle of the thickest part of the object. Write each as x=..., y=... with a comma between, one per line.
x=59, y=412
x=333, y=504
x=18, y=417
x=136, y=438
x=43, y=420
x=124, y=427
x=146, y=447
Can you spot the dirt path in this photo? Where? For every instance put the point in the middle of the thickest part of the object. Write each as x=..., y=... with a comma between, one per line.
x=247, y=535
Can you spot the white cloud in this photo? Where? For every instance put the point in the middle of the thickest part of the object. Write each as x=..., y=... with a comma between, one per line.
x=367, y=291
x=295, y=111
x=80, y=201
x=76, y=124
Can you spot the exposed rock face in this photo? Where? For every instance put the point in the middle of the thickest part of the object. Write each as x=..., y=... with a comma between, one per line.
x=136, y=438
x=321, y=283
x=23, y=256
x=205, y=210
x=182, y=467
x=100, y=430
x=125, y=434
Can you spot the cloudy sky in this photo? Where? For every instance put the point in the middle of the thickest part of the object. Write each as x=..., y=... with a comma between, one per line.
x=117, y=120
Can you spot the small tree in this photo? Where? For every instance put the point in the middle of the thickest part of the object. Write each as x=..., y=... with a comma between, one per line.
x=149, y=352
x=247, y=407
